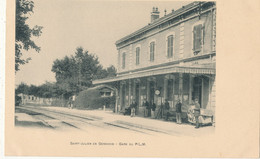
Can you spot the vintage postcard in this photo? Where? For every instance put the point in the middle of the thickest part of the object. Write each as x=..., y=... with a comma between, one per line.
x=157, y=79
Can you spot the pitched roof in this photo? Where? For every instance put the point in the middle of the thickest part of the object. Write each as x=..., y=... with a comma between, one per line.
x=100, y=87
x=161, y=20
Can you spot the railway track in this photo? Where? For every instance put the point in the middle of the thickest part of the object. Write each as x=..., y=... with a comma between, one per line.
x=70, y=120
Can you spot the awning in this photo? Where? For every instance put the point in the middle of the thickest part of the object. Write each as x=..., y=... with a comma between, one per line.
x=159, y=71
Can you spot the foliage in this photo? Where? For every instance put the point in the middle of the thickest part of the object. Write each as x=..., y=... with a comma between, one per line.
x=18, y=100
x=46, y=90
x=73, y=75
x=24, y=34
x=91, y=99
x=22, y=88
x=76, y=73
x=104, y=73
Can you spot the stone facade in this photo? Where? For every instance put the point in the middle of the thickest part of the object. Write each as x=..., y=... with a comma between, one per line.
x=189, y=73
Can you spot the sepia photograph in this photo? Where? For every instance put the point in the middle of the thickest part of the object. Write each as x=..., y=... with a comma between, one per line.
x=95, y=71
x=92, y=77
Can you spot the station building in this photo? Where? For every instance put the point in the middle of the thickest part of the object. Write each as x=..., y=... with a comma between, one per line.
x=173, y=57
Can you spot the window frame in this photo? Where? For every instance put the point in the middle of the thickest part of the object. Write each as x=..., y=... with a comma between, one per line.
x=173, y=44
x=137, y=58
x=154, y=50
x=202, y=38
x=123, y=60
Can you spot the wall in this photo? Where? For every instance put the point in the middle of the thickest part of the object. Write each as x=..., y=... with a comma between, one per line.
x=183, y=44
x=32, y=100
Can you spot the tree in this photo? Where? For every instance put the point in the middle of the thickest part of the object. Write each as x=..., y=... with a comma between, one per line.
x=111, y=71
x=76, y=73
x=24, y=34
x=22, y=88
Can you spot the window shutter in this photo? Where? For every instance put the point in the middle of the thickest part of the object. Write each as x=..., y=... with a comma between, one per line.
x=194, y=37
x=123, y=60
x=170, y=46
x=203, y=34
x=197, y=38
x=153, y=45
x=152, y=49
x=137, y=55
x=199, y=30
x=167, y=46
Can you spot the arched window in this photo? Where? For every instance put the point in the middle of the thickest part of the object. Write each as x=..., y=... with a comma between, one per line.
x=123, y=60
x=137, y=55
x=198, y=38
x=152, y=50
x=170, y=39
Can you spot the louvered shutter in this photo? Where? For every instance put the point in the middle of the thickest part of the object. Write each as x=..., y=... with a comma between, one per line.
x=197, y=38
x=137, y=55
x=170, y=46
x=123, y=60
x=152, y=48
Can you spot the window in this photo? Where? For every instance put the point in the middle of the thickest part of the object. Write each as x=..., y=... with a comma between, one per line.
x=102, y=94
x=197, y=38
x=123, y=60
x=137, y=56
x=152, y=50
x=170, y=46
x=107, y=94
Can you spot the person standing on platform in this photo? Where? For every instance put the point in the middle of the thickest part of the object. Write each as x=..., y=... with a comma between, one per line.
x=69, y=102
x=149, y=109
x=166, y=109
x=73, y=98
x=146, y=104
x=178, y=111
x=197, y=112
x=133, y=108
x=153, y=107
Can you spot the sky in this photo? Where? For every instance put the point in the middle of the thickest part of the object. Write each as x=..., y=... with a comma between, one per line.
x=93, y=25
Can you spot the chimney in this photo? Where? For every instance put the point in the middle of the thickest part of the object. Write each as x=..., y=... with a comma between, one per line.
x=155, y=14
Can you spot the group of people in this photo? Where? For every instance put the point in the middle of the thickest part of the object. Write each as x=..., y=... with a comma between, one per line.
x=149, y=109
x=165, y=110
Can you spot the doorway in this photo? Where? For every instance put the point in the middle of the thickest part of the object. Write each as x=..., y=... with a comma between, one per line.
x=152, y=91
x=137, y=93
x=123, y=96
x=197, y=89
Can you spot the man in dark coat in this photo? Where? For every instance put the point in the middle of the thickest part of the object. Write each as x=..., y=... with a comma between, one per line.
x=153, y=107
x=166, y=109
x=133, y=108
x=197, y=113
x=178, y=112
x=146, y=104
